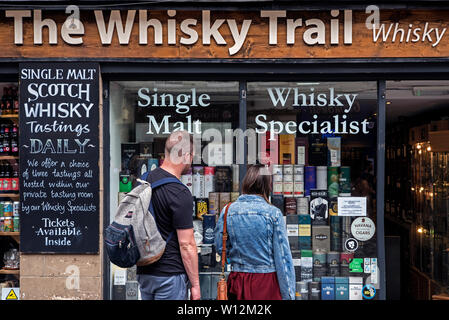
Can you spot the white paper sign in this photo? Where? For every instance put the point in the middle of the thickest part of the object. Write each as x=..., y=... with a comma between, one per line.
x=120, y=277
x=352, y=206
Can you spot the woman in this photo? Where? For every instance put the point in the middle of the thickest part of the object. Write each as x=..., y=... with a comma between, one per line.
x=257, y=244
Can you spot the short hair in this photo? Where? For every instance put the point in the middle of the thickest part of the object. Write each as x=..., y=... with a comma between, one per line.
x=180, y=141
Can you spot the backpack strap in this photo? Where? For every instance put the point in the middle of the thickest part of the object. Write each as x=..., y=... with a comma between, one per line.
x=155, y=185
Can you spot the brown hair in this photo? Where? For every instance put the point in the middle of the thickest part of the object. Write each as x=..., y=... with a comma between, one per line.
x=257, y=183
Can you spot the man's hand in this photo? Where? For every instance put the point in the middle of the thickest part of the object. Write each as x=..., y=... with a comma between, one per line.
x=195, y=293
x=189, y=255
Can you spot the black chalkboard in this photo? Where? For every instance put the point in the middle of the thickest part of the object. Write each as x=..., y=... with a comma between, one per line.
x=59, y=157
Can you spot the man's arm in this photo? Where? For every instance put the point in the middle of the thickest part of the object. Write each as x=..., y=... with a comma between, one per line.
x=189, y=256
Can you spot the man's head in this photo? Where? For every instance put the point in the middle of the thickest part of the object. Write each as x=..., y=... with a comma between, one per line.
x=179, y=151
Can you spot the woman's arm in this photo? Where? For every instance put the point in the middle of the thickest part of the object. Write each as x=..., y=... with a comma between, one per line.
x=219, y=233
x=283, y=258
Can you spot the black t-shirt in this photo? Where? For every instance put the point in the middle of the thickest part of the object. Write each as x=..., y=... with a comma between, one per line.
x=173, y=205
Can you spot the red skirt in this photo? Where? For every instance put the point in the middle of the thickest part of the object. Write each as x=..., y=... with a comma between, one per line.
x=253, y=286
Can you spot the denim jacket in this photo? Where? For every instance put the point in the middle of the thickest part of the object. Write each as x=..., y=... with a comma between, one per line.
x=257, y=241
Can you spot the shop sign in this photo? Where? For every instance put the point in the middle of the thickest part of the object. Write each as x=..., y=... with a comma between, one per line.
x=59, y=157
x=363, y=228
x=206, y=34
x=356, y=265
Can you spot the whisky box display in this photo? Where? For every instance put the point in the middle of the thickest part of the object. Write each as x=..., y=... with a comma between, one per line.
x=129, y=151
x=302, y=290
x=186, y=179
x=223, y=179
x=298, y=181
x=302, y=151
x=278, y=202
x=306, y=265
x=302, y=206
x=201, y=205
x=327, y=288
x=293, y=231
x=287, y=185
x=305, y=232
x=153, y=163
x=355, y=288
x=345, y=258
x=235, y=178
x=333, y=207
x=321, y=238
x=345, y=229
x=333, y=263
x=345, y=182
x=214, y=203
x=335, y=224
x=290, y=205
x=296, y=257
x=225, y=198
x=198, y=182
x=317, y=150
x=319, y=207
x=333, y=186
x=208, y=228
x=209, y=180
x=269, y=149
x=319, y=264
x=234, y=196
x=131, y=274
x=334, y=151
x=146, y=149
x=139, y=165
x=314, y=290
x=309, y=179
x=321, y=177
x=286, y=149
x=278, y=182
x=341, y=288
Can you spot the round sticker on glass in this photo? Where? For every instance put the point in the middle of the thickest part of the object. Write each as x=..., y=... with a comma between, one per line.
x=363, y=228
x=351, y=245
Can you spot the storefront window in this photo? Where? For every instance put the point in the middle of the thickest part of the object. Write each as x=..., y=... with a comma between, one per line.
x=417, y=180
x=320, y=140
x=142, y=115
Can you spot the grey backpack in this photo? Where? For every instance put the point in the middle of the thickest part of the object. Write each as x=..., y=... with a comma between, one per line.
x=134, y=238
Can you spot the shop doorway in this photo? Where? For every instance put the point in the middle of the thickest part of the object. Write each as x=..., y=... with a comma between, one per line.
x=417, y=184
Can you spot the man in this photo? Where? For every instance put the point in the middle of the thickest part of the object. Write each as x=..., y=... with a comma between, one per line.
x=169, y=277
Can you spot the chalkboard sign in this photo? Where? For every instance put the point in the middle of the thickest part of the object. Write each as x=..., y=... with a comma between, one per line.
x=59, y=157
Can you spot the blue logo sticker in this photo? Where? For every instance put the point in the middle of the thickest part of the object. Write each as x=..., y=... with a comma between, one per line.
x=368, y=292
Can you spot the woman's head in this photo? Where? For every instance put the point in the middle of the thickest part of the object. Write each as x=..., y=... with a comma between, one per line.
x=257, y=183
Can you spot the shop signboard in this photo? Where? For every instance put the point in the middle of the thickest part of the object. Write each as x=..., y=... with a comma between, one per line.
x=59, y=157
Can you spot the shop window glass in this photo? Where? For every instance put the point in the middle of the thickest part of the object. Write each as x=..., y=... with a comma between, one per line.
x=320, y=141
x=142, y=115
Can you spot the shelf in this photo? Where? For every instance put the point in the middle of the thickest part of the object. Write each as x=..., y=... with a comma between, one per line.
x=15, y=233
x=9, y=158
x=9, y=195
x=9, y=116
x=3, y=271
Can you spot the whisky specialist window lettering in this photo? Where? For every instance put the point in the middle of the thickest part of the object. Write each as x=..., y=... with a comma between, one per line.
x=59, y=121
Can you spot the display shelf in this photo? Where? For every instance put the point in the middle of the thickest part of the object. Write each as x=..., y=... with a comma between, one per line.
x=9, y=158
x=9, y=195
x=9, y=116
x=5, y=271
x=15, y=235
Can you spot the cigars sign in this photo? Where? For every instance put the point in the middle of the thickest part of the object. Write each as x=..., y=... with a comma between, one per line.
x=224, y=34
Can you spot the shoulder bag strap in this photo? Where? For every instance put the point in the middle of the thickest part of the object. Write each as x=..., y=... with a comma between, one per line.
x=225, y=237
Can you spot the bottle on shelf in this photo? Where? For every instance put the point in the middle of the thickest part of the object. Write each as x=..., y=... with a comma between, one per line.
x=7, y=179
x=6, y=141
x=15, y=178
x=14, y=145
x=2, y=131
x=2, y=176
